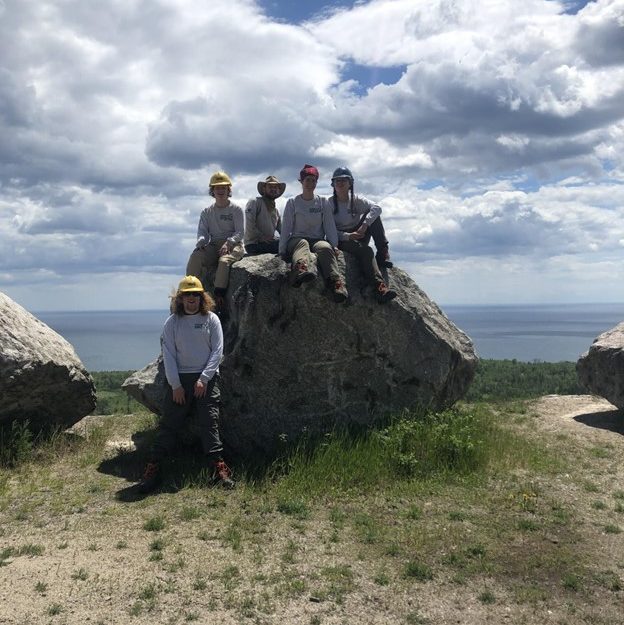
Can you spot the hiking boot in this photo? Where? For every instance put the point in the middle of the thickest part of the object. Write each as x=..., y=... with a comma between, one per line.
x=302, y=274
x=383, y=259
x=383, y=293
x=152, y=478
x=222, y=475
x=339, y=290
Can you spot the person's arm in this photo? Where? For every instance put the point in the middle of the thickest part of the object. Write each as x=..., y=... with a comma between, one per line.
x=239, y=226
x=203, y=230
x=287, y=226
x=216, y=349
x=170, y=354
x=250, y=220
x=374, y=211
x=329, y=223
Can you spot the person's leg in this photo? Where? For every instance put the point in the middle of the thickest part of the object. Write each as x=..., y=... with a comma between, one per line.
x=329, y=268
x=378, y=233
x=173, y=419
x=202, y=262
x=207, y=416
x=263, y=247
x=222, y=278
x=370, y=270
x=300, y=272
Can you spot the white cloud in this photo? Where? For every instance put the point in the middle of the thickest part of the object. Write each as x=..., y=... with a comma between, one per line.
x=499, y=150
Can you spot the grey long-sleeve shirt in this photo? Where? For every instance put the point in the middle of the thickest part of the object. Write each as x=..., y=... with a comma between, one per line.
x=218, y=224
x=310, y=219
x=191, y=344
x=260, y=222
x=346, y=221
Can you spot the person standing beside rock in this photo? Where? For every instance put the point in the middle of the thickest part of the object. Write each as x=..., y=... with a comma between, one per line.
x=219, y=238
x=355, y=219
x=262, y=219
x=192, y=348
x=308, y=228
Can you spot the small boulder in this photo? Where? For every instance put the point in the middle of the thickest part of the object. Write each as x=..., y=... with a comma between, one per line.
x=41, y=377
x=601, y=369
x=297, y=362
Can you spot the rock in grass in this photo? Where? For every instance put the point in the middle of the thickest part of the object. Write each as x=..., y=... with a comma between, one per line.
x=601, y=369
x=42, y=380
x=297, y=362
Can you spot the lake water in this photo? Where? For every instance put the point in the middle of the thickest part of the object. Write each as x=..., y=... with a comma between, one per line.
x=124, y=340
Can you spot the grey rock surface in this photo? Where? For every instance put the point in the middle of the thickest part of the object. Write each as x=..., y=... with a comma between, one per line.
x=41, y=377
x=601, y=368
x=297, y=362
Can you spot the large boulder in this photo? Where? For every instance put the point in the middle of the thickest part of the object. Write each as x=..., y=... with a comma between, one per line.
x=601, y=368
x=41, y=377
x=297, y=362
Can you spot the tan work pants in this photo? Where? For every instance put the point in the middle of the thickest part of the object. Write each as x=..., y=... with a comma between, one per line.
x=205, y=260
x=302, y=249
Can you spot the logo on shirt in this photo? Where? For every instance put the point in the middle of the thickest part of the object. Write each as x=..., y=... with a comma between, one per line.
x=314, y=210
x=226, y=217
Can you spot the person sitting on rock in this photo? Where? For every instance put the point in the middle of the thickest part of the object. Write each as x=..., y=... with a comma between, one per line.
x=262, y=219
x=219, y=238
x=355, y=217
x=192, y=348
x=308, y=228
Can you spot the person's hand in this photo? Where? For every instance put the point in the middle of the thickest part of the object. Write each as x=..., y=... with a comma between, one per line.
x=336, y=252
x=359, y=233
x=178, y=395
x=224, y=249
x=200, y=389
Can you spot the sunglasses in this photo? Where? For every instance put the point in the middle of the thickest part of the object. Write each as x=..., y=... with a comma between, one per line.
x=191, y=294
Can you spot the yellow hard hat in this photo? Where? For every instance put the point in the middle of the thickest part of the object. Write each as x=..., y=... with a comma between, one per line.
x=190, y=284
x=220, y=179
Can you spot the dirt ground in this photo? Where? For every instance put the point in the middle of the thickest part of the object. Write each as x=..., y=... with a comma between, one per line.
x=75, y=553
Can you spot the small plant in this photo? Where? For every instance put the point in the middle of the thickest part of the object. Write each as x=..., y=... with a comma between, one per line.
x=41, y=587
x=382, y=579
x=233, y=536
x=418, y=571
x=54, y=609
x=289, y=552
x=457, y=515
x=612, y=529
x=16, y=443
x=487, y=597
x=80, y=574
x=598, y=505
x=154, y=524
x=414, y=513
x=571, y=582
x=30, y=550
x=527, y=525
x=293, y=507
x=157, y=544
x=189, y=513
x=191, y=616
x=121, y=544
x=148, y=592
x=199, y=584
x=93, y=547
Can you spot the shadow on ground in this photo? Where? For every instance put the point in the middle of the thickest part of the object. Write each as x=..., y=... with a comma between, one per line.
x=612, y=420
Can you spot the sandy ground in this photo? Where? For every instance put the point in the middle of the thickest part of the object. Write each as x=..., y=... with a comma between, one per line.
x=98, y=563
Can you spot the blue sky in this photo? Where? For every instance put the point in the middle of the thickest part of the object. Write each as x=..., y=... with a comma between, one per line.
x=491, y=132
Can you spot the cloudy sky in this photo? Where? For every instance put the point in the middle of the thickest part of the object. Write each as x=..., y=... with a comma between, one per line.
x=490, y=131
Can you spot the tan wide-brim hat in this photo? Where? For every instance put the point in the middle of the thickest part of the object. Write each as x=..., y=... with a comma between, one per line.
x=271, y=180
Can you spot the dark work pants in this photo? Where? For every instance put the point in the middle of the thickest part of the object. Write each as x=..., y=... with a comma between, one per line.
x=263, y=247
x=364, y=256
x=199, y=415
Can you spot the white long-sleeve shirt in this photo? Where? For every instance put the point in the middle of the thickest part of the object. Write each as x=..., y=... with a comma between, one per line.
x=309, y=219
x=221, y=224
x=346, y=221
x=191, y=344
